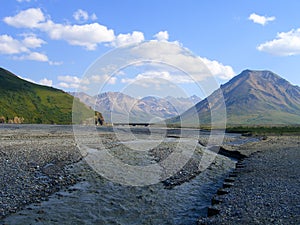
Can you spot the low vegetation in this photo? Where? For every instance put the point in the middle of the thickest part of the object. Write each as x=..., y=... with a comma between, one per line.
x=249, y=130
x=25, y=102
x=265, y=130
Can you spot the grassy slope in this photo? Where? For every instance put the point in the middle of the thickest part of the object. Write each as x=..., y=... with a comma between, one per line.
x=36, y=103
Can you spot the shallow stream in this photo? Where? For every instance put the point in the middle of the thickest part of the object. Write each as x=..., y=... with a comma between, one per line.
x=97, y=200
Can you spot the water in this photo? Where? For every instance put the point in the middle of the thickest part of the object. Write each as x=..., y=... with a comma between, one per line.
x=96, y=200
x=99, y=201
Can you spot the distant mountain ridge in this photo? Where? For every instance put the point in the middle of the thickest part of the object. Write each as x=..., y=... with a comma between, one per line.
x=253, y=98
x=25, y=102
x=119, y=107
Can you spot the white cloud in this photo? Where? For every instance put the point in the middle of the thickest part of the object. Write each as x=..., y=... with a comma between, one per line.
x=285, y=44
x=12, y=46
x=31, y=41
x=112, y=80
x=79, y=87
x=81, y=15
x=127, y=39
x=90, y=35
x=172, y=53
x=23, y=0
x=162, y=36
x=73, y=82
x=155, y=77
x=46, y=82
x=34, y=56
x=9, y=45
x=96, y=78
x=87, y=35
x=30, y=18
x=90, y=80
x=165, y=63
x=103, y=79
x=158, y=76
x=68, y=85
x=69, y=79
x=218, y=69
x=37, y=56
x=262, y=20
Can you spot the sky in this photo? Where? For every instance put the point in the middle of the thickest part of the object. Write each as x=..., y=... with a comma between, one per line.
x=56, y=42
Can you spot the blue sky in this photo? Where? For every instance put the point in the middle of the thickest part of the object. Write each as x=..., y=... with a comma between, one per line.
x=54, y=42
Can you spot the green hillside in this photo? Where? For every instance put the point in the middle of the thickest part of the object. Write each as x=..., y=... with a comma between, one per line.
x=34, y=103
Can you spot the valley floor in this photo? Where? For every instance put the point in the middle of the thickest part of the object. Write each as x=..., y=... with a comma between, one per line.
x=265, y=190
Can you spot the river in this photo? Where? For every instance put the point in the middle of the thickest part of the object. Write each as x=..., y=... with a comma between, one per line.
x=95, y=199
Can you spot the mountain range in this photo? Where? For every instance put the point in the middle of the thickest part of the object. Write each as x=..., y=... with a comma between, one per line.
x=119, y=107
x=25, y=102
x=251, y=98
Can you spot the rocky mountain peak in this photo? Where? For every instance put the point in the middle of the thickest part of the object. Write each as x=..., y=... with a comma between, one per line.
x=255, y=97
x=141, y=110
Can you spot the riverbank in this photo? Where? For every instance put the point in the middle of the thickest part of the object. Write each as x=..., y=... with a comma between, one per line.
x=264, y=187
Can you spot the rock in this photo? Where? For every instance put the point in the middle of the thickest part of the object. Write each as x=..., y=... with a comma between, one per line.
x=212, y=211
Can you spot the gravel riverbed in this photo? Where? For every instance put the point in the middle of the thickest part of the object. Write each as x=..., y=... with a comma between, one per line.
x=39, y=160
x=32, y=163
x=266, y=187
x=34, y=159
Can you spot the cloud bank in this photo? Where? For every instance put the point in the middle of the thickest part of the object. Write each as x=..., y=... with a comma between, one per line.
x=285, y=44
x=89, y=36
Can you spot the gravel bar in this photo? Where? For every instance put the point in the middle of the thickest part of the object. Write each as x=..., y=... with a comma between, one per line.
x=33, y=158
x=264, y=188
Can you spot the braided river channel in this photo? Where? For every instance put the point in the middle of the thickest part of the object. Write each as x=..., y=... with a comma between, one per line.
x=98, y=199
